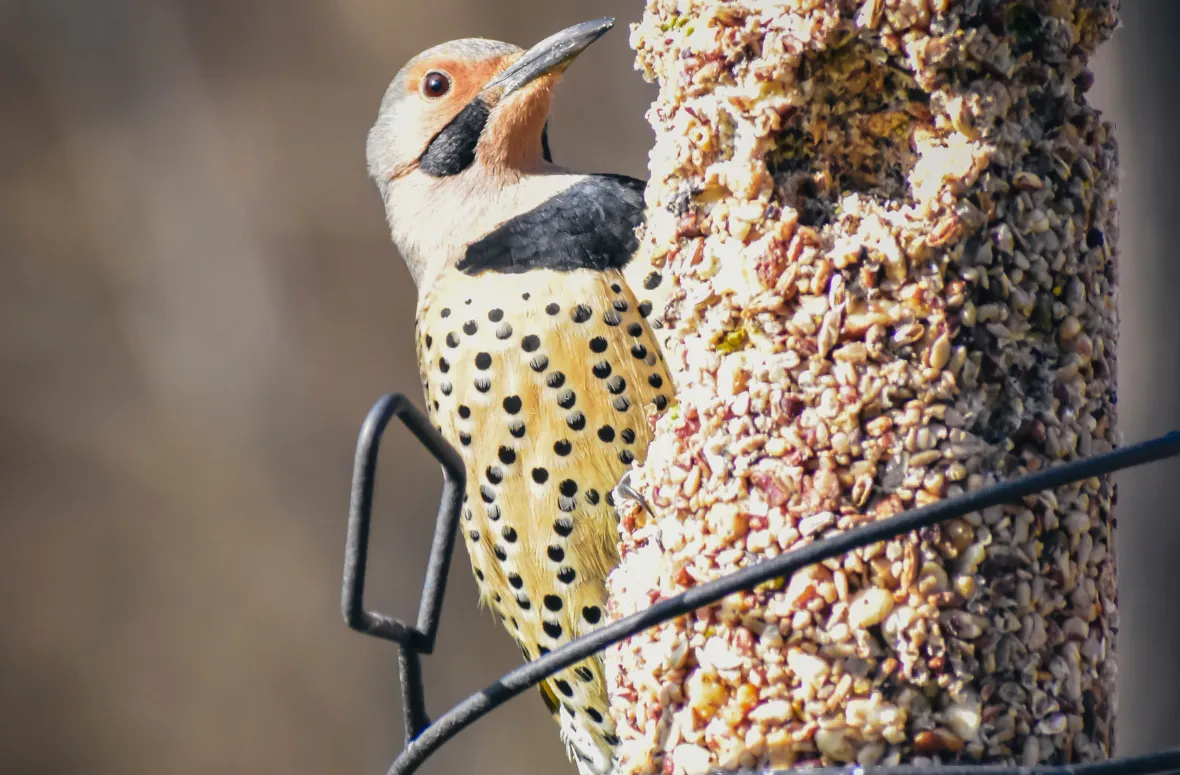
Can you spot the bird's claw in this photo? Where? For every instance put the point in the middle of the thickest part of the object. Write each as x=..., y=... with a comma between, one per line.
x=624, y=490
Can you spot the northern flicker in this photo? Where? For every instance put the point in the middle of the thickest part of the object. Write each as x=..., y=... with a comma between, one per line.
x=536, y=355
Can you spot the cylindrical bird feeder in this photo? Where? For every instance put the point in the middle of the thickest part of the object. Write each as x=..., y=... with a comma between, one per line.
x=888, y=231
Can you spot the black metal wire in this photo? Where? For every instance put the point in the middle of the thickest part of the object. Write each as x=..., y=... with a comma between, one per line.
x=419, y=639
x=424, y=738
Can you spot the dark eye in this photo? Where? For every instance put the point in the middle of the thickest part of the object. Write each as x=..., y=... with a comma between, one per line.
x=435, y=84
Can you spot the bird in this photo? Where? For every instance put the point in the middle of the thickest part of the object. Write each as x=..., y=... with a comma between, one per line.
x=537, y=356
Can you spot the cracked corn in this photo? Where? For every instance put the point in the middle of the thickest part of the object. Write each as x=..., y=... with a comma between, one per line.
x=891, y=227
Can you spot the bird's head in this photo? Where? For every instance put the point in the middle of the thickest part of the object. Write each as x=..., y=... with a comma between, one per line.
x=461, y=126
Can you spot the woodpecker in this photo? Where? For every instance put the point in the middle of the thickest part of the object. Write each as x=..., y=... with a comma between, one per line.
x=536, y=355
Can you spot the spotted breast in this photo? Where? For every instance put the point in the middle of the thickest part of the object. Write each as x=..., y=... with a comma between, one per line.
x=542, y=380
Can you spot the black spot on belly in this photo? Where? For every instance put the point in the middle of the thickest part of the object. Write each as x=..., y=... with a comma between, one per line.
x=494, y=474
x=645, y=308
x=565, y=504
x=626, y=457
x=566, y=399
x=611, y=318
x=585, y=673
x=601, y=369
x=517, y=429
x=592, y=614
x=540, y=475
x=446, y=388
x=487, y=494
x=563, y=527
x=595, y=715
x=606, y=433
x=530, y=343
x=473, y=535
x=655, y=380
x=515, y=580
x=512, y=404
x=452, y=340
x=661, y=402
x=507, y=455
x=566, y=575
x=552, y=308
x=496, y=315
x=621, y=404
x=465, y=439
x=592, y=497
x=470, y=327
x=503, y=331
x=552, y=602
x=628, y=436
x=569, y=488
x=539, y=363
x=429, y=341
x=576, y=421
x=598, y=344
x=446, y=312
x=552, y=629
x=493, y=512
x=524, y=603
x=556, y=553
x=555, y=379
x=580, y=313
x=483, y=384
x=509, y=534
x=443, y=366
x=483, y=361
x=562, y=447
x=620, y=305
x=616, y=287
x=635, y=329
x=563, y=686
x=639, y=351
x=479, y=574
x=500, y=553
x=616, y=385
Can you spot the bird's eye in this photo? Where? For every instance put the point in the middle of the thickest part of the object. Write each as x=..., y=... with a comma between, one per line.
x=435, y=84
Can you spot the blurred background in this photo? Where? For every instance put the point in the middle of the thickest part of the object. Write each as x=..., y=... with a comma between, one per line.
x=198, y=304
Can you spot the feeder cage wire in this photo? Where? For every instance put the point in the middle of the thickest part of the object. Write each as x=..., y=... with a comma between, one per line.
x=424, y=737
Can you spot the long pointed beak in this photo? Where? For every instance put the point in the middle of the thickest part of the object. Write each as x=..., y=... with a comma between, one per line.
x=552, y=55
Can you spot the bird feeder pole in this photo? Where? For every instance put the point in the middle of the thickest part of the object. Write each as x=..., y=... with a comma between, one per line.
x=887, y=230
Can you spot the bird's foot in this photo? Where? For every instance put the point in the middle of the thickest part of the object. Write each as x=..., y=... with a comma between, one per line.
x=624, y=490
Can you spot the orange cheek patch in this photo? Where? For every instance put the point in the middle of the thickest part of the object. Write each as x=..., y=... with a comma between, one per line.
x=467, y=78
x=430, y=116
x=513, y=138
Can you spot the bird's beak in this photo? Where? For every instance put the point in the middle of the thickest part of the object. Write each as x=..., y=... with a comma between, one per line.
x=552, y=55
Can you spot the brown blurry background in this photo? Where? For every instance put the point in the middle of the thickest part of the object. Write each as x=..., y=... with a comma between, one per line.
x=198, y=304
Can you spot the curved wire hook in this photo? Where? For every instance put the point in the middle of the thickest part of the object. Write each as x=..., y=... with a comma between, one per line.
x=417, y=639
